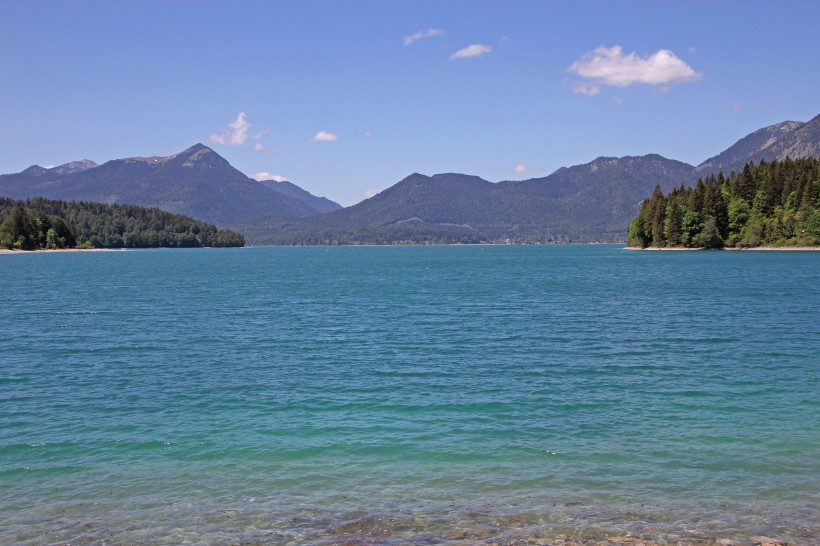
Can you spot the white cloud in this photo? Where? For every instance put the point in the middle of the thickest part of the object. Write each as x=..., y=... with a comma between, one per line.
x=268, y=176
x=370, y=193
x=235, y=133
x=586, y=88
x=324, y=136
x=422, y=34
x=523, y=169
x=472, y=50
x=259, y=147
x=609, y=66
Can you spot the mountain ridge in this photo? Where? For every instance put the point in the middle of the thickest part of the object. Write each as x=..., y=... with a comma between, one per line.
x=196, y=182
x=593, y=201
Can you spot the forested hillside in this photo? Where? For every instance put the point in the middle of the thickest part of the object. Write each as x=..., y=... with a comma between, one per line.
x=45, y=224
x=770, y=204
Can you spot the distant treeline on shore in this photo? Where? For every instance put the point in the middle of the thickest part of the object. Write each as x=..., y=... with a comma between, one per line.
x=770, y=204
x=37, y=224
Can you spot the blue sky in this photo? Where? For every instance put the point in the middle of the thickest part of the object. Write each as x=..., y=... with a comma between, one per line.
x=346, y=98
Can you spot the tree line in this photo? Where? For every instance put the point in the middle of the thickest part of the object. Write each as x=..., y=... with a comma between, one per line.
x=40, y=223
x=773, y=203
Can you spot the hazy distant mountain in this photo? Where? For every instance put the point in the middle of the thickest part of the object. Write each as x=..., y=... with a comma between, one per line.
x=197, y=182
x=583, y=203
x=787, y=139
x=319, y=204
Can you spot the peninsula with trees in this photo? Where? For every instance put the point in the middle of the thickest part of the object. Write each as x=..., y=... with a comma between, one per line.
x=44, y=224
x=774, y=203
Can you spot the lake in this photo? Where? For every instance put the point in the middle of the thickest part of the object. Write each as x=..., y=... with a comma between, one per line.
x=409, y=395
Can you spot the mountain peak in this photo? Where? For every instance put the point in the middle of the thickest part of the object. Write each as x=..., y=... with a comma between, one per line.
x=766, y=143
x=197, y=148
x=35, y=170
x=200, y=156
x=74, y=167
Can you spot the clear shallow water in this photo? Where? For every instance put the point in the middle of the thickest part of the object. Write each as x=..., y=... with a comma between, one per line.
x=409, y=395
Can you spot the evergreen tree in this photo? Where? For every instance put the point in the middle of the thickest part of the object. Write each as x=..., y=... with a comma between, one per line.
x=775, y=203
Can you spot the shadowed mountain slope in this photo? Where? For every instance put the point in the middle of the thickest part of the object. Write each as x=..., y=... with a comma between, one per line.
x=319, y=204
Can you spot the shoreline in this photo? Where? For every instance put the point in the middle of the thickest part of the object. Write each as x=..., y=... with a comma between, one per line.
x=7, y=251
x=732, y=249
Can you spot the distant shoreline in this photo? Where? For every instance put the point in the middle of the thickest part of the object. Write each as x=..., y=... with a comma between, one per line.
x=7, y=251
x=653, y=249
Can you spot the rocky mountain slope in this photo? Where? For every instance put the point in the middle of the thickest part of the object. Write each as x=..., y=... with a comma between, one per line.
x=787, y=139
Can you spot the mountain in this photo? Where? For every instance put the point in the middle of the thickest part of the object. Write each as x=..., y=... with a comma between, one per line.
x=787, y=139
x=319, y=204
x=803, y=141
x=590, y=202
x=582, y=203
x=600, y=194
x=74, y=167
x=197, y=182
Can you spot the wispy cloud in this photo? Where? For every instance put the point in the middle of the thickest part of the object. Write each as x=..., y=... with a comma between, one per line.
x=235, y=133
x=524, y=169
x=586, y=88
x=472, y=50
x=268, y=176
x=422, y=34
x=324, y=136
x=370, y=193
x=610, y=66
x=259, y=147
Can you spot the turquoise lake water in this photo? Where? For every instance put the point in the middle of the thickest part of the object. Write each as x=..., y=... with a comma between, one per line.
x=409, y=395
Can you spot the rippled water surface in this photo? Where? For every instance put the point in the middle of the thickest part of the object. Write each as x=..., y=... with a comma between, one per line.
x=409, y=395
